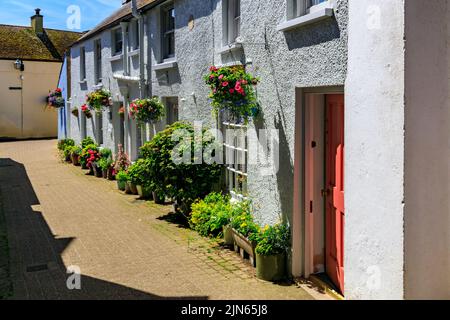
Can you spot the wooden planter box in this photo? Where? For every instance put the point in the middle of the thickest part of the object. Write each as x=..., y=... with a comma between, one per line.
x=244, y=247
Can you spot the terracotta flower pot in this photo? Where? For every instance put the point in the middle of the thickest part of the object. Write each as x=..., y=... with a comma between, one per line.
x=111, y=175
x=271, y=268
x=75, y=159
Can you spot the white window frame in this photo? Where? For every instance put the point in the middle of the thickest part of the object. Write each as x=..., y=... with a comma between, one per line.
x=115, y=49
x=231, y=26
x=98, y=61
x=303, y=12
x=82, y=64
x=165, y=32
x=235, y=147
x=133, y=35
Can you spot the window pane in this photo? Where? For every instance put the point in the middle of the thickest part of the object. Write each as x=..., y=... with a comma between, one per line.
x=118, y=41
x=168, y=32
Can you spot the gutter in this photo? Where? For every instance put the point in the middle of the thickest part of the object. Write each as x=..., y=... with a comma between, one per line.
x=140, y=17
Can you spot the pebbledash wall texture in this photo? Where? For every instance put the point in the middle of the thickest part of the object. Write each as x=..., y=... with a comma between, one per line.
x=311, y=56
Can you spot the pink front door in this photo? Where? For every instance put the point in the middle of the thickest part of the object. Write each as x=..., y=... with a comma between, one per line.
x=334, y=158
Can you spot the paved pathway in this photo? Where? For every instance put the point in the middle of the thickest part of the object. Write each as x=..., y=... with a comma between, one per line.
x=125, y=248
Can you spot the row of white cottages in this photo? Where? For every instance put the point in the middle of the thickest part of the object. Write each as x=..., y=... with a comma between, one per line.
x=372, y=76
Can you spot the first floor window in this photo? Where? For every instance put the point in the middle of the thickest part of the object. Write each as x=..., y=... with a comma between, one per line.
x=168, y=32
x=171, y=110
x=301, y=7
x=98, y=61
x=117, y=41
x=232, y=21
x=82, y=64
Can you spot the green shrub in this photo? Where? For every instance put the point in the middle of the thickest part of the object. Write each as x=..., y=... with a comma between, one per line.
x=104, y=163
x=64, y=143
x=86, y=142
x=122, y=176
x=75, y=150
x=139, y=172
x=209, y=215
x=242, y=219
x=183, y=182
x=273, y=240
x=106, y=153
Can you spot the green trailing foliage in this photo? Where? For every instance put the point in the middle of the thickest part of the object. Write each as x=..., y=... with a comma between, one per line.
x=86, y=142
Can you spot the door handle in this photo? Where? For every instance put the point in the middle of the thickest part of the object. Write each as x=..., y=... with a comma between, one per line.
x=326, y=192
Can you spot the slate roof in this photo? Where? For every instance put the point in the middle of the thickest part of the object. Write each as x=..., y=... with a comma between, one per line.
x=23, y=43
x=122, y=13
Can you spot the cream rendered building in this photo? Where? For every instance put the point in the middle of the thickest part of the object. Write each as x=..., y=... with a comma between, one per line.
x=30, y=64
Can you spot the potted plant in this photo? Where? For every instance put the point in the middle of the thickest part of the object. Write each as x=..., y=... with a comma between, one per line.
x=147, y=110
x=97, y=169
x=64, y=146
x=75, y=112
x=55, y=99
x=99, y=99
x=140, y=177
x=89, y=156
x=86, y=111
x=273, y=243
x=244, y=229
x=232, y=89
x=122, y=178
x=75, y=155
x=105, y=161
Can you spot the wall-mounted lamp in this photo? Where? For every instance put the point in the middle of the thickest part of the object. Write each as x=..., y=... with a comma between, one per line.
x=18, y=65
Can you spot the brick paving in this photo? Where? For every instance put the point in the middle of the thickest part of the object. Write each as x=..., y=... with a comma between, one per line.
x=125, y=248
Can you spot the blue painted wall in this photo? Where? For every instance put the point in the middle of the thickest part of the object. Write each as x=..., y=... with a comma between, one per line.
x=62, y=119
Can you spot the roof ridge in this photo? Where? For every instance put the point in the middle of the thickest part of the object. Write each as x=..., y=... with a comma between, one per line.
x=52, y=29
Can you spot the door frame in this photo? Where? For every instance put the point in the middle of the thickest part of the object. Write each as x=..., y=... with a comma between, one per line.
x=302, y=264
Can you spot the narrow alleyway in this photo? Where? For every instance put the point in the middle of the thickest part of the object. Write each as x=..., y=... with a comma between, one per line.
x=125, y=248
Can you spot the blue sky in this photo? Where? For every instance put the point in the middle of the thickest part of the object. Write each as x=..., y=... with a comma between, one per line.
x=18, y=12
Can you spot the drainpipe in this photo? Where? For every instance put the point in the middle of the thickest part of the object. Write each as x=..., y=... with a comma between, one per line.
x=142, y=82
x=127, y=129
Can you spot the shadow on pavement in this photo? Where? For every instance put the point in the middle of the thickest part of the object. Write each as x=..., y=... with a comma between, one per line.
x=37, y=270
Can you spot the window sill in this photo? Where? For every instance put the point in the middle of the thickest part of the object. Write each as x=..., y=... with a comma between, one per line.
x=169, y=64
x=318, y=15
x=116, y=58
x=134, y=53
x=230, y=48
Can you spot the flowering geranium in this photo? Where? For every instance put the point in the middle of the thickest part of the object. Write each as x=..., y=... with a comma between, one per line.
x=99, y=99
x=87, y=112
x=94, y=156
x=55, y=99
x=233, y=89
x=147, y=110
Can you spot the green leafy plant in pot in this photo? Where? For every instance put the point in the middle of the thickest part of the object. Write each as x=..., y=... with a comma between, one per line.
x=273, y=243
x=64, y=146
x=75, y=153
x=122, y=178
x=105, y=162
